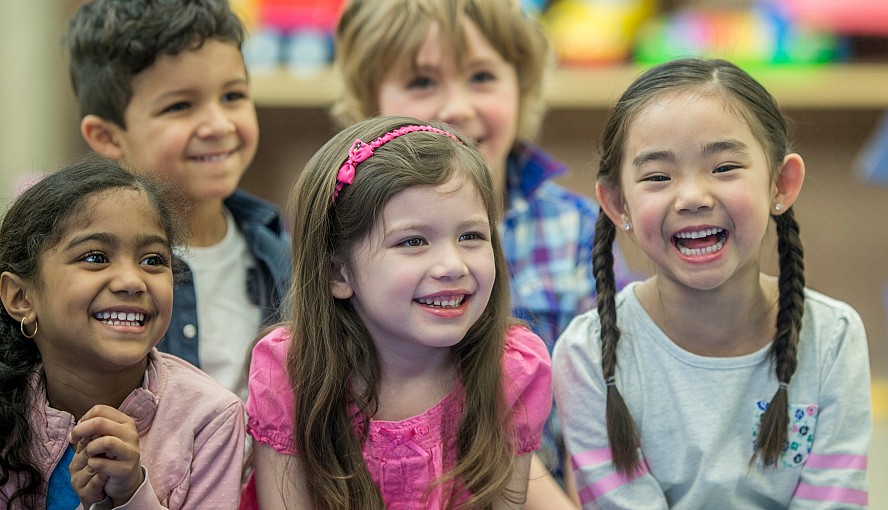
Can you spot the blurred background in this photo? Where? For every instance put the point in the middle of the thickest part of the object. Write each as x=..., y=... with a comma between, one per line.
x=826, y=61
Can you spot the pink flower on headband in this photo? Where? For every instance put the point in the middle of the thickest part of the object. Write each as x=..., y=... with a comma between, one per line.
x=361, y=152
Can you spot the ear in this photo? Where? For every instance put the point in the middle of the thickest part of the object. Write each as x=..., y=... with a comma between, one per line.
x=339, y=284
x=789, y=182
x=102, y=136
x=611, y=202
x=13, y=293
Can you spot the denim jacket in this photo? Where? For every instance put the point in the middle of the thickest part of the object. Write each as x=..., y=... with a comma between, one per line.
x=267, y=284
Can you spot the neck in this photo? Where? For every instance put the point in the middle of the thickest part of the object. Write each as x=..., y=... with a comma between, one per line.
x=77, y=392
x=410, y=386
x=724, y=322
x=207, y=223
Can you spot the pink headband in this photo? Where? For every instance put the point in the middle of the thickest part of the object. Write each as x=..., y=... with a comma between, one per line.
x=361, y=152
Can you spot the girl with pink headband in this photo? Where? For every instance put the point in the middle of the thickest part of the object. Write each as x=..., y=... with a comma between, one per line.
x=399, y=380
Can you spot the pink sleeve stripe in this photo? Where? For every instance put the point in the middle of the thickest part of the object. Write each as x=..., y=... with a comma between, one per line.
x=836, y=461
x=591, y=458
x=838, y=494
x=610, y=482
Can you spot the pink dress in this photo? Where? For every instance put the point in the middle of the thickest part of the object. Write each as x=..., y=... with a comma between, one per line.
x=403, y=457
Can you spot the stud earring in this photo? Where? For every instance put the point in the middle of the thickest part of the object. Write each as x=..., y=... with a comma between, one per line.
x=778, y=206
x=627, y=226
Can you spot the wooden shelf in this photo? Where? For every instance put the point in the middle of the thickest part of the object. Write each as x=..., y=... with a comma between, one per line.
x=837, y=86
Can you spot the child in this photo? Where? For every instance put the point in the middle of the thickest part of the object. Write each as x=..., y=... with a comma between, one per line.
x=162, y=88
x=479, y=65
x=86, y=284
x=695, y=161
x=412, y=388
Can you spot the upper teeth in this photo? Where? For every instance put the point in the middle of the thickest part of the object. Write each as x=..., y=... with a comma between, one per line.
x=699, y=233
x=121, y=316
x=214, y=157
x=441, y=301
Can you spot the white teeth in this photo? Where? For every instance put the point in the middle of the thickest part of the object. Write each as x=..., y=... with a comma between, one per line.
x=450, y=302
x=699, y=233
x=121, y=318
x=691, y=252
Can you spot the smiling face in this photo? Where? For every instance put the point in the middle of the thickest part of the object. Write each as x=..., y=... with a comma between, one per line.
x=424, y=274
x=103, y=295
x=191, y=118
x=697, y=189
x=479, y=97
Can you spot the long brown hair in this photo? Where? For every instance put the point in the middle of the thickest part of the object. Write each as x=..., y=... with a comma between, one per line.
x=332, y=347
x=759, y=109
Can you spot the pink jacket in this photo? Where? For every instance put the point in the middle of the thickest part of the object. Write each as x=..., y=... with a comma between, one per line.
x=191, y=438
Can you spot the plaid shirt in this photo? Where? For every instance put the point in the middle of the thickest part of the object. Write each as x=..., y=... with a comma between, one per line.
x=547, y=236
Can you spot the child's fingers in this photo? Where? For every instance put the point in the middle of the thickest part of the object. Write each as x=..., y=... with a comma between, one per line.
x=86, y=482
x=108, y=423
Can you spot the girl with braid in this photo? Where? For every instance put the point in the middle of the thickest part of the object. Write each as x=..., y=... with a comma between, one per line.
x=710, y=384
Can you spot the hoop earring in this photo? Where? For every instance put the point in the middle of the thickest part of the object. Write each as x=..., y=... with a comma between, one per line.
x=26, y=335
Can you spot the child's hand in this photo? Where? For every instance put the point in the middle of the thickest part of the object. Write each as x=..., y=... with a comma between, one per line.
x=106, y=457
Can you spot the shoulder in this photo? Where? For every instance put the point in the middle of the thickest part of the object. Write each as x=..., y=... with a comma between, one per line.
x=187, y=384
x=524, y=350
x=830, y=323
x=527, y=367
x=251, y=212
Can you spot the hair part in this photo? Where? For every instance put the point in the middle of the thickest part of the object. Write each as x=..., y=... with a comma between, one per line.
x=38, y=219
x=752, y=103
x=332, y=356
x=109, y=42
x=374, y=38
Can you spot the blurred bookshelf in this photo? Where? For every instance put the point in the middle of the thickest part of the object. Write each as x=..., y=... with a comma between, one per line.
x=815, y=87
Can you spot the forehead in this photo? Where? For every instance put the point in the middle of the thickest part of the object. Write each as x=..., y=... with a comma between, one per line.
x=214, y=60
x=116, y=209
x=687, y=117
x=460, y=45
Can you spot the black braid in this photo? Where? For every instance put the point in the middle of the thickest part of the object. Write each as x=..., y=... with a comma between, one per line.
x=621, y=433
x=784, y=350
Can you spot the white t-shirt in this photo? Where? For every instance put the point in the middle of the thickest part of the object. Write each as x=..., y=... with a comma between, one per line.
x=227, y=319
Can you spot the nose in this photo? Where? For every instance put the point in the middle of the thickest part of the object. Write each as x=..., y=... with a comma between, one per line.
x=449, y=262
x=216, y=121
x=128, y=279
x=693, y=195
x=457, y=105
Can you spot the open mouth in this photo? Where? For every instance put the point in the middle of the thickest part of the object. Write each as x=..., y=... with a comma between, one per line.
x=442, y=301
x=694, y=243
x=121, y=318
x=212, y=158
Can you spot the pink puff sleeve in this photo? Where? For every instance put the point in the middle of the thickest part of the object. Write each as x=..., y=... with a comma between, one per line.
x=270, y=403
x=527, y=382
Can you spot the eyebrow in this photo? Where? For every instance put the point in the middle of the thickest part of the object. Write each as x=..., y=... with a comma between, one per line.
x=103, y=238
x=709, y=149
x=471, y=223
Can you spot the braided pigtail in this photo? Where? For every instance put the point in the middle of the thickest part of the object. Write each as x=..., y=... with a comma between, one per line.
x=773, y=433
x=621, y=433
